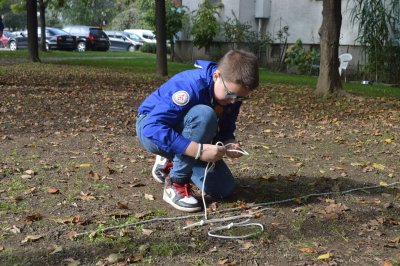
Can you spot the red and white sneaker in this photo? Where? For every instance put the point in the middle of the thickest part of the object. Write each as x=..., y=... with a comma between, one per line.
x=180, y=196
x=161, y=168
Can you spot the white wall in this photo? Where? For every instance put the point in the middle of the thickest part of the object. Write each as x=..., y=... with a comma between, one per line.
x=303, y=17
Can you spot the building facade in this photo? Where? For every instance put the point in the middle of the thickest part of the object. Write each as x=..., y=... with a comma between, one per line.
x=303, y=19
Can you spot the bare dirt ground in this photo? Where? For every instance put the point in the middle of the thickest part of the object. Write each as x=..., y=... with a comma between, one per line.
x=71, y=168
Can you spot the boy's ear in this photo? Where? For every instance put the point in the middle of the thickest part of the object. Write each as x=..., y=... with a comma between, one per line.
x=216, y=75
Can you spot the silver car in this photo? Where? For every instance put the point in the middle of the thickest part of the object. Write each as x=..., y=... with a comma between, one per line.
x=121, y=41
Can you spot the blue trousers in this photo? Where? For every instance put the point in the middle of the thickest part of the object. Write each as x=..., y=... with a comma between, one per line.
x=200, y=125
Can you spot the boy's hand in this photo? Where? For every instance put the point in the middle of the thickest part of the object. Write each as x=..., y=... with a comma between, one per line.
x=212, y=153
x=232, y=150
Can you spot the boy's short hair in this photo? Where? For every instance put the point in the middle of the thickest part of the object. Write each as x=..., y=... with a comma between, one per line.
x=241, y=67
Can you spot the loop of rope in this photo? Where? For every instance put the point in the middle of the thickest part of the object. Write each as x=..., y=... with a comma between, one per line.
x=212, y=230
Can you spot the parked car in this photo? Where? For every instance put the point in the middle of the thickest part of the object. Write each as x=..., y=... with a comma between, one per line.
x=119, y=41
x=89, y=38
x=58, y=39
x=4, y=38
x=147, y=35
x=134, y=37
x=18, y=41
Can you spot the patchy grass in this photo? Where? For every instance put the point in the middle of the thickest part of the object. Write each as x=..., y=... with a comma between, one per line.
x=73, y=125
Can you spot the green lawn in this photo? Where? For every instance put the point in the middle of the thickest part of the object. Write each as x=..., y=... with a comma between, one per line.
x=145, y=63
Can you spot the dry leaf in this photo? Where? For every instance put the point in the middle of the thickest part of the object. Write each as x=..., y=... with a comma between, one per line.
x=70, y=220
x=122, y=206
x=1, y=248
x=395, y=240
x=336, y=208
x=72, y=262
x=31, y=238
x=297, y=200
x=33, y=217
x=85, y=165
x=87, y=198
x=30, y=172
x=308, y=250
x=136, y=257
x=378, y=166
x=258, y=214
x=147, y=232
x=72, y=235
x=55, y=249
x=53, y=190
x=383, y=184
x=26, y=176
x=387, y=263
x=141, y=215
x=15, y=230
x=114, y=258
x=213, y=206
x=222, y=261
x=247, y=245
x=94, y=175
x=325, y=256
x=148, y=196
x=267, y=177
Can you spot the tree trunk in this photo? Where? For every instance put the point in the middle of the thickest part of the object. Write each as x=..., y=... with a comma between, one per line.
x=329, y=81
x=172, y=51
x=161, y=36
x=32, y=25
x=42, y=10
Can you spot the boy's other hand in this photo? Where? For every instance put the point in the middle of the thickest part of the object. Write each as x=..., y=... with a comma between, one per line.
x=212, y=153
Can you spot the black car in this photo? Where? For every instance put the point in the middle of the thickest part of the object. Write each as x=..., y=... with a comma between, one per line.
x=58, y=39
x=121, y=42
x=89, y=38
x=18, y=41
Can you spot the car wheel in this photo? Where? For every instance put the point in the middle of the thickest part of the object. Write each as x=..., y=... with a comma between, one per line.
x=13, y=46
x=47, y=46
x=132, y=48
x=81, y=47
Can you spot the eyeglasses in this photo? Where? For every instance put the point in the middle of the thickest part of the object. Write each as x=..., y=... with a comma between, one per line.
x=230, y=94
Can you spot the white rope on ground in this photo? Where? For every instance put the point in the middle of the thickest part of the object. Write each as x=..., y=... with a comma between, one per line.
x=252, y=214
x=212, y=230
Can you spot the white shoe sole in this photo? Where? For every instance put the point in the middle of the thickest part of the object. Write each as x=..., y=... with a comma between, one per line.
x=153, y=171
x=185, y=209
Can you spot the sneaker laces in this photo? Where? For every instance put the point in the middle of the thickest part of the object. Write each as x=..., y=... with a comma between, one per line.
x=168, y=167
x=184, y=190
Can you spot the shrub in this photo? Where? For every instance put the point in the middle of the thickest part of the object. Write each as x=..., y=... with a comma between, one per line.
x=148, y=48
x=296, y=56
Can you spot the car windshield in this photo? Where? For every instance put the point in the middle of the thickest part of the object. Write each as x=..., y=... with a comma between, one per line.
x=54, y=31
x=132, y=36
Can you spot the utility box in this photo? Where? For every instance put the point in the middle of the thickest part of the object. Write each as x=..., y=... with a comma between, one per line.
x=263, y=9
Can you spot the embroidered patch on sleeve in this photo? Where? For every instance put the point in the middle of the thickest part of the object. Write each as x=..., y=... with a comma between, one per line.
x=180, y=98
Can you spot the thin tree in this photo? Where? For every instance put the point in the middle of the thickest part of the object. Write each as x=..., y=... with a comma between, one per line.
x=161, y=37
x=42, y=17
x=329, y=82
x=32, y=25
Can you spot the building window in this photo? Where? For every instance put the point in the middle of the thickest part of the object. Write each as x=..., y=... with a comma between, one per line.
x=177, y=2
x=214, y=1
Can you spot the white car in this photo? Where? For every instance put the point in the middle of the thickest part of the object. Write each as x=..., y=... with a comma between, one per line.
x=147, y=35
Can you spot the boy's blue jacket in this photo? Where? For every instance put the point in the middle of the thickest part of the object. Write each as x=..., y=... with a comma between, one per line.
x=163, y=113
